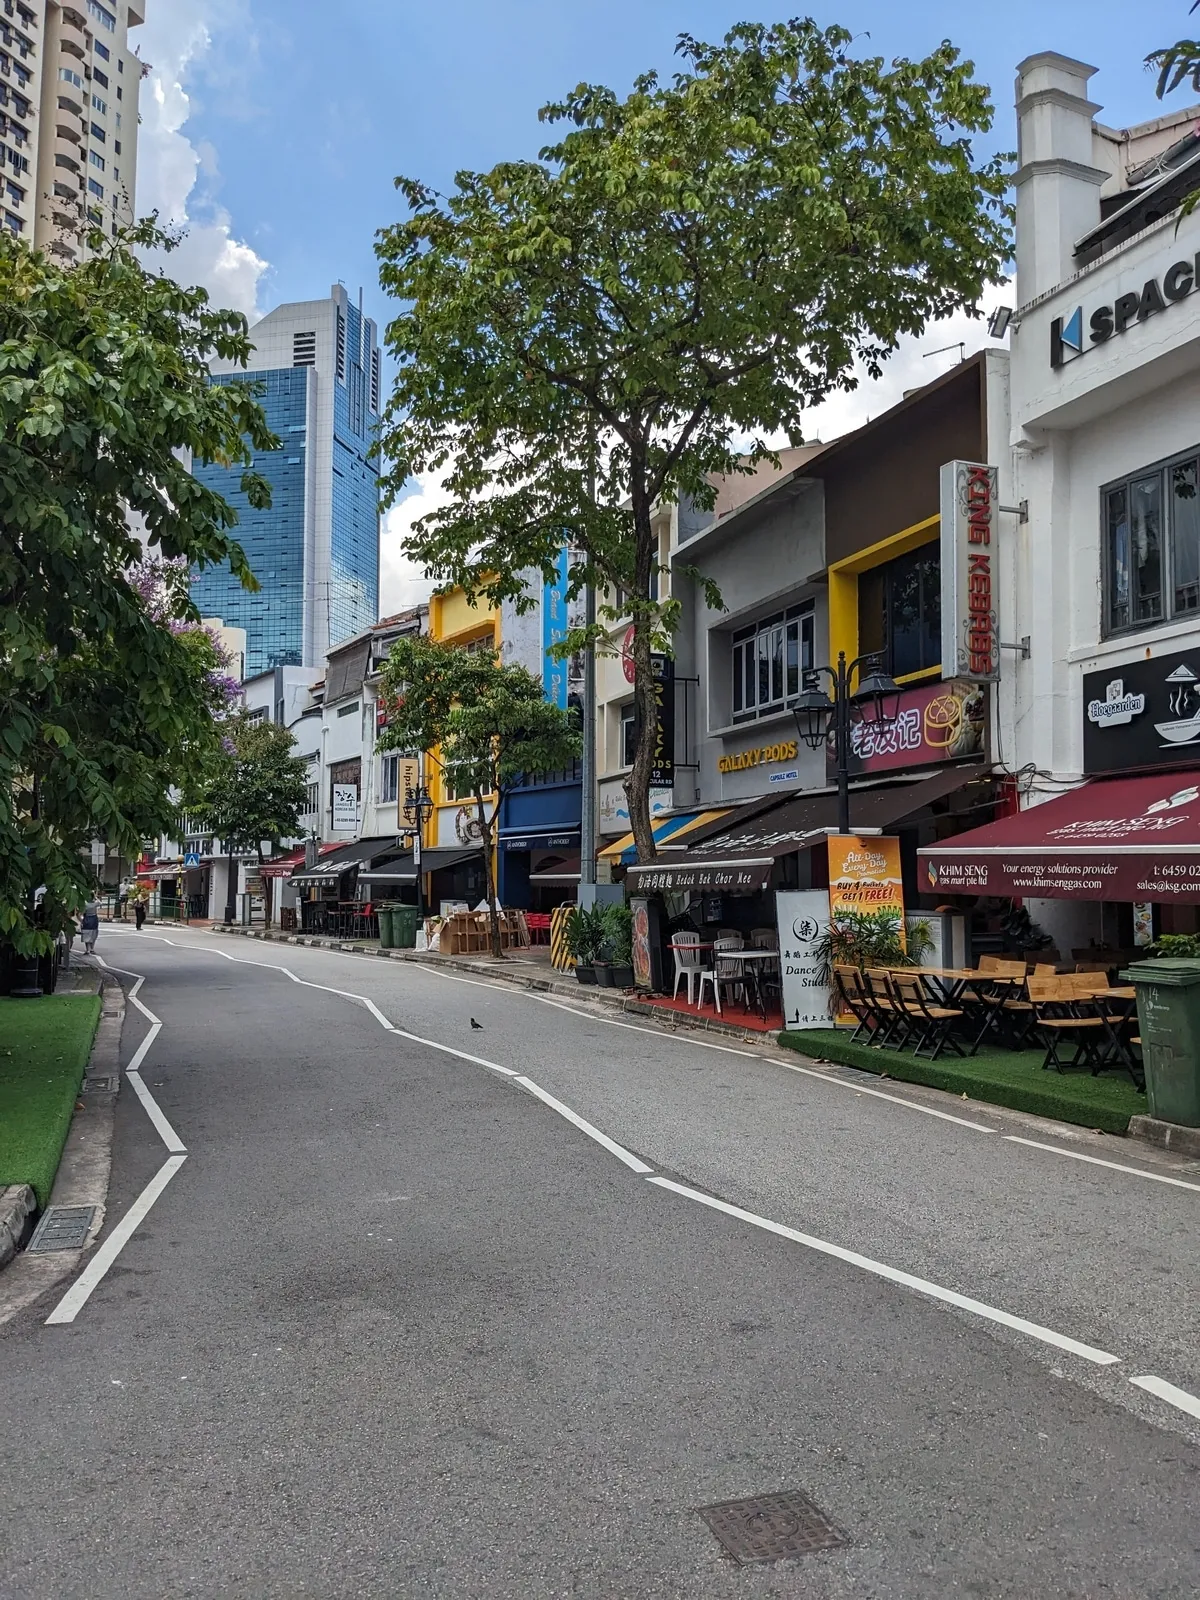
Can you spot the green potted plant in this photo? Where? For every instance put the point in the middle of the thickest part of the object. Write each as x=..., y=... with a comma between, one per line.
x=618, y=946
x=584, y=935
x=871, y=939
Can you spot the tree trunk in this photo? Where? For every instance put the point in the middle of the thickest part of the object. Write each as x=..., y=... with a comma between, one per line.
x=637, y=785
x=485, y=830
x=268, y=887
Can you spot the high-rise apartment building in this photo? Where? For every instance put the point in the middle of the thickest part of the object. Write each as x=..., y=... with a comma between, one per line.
x=315, y=552
x=69, y=85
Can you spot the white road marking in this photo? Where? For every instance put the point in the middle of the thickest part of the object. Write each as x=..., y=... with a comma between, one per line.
x=633, y=1027
x=880, y=1094
x=1179, y=1398
x=76, y=1297
x=153, y=1110
x=1098, y=1161
x=611, y=1145
x=894, y=1275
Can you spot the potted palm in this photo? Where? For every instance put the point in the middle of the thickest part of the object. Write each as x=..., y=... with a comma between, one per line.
x=618, y=922
x=584, y=935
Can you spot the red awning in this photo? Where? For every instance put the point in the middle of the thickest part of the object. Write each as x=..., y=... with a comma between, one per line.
x=284, y=866
x=1118, y=839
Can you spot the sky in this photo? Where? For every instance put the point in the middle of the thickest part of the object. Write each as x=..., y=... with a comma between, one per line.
x=273, y=129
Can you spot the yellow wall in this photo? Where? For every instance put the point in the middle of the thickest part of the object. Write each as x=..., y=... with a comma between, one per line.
x=843, y=586
x=454, y=619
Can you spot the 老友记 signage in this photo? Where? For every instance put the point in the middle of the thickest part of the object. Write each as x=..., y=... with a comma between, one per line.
x=763, y=755
x=935, y=722
x=1070, y=338
x=1142, y=714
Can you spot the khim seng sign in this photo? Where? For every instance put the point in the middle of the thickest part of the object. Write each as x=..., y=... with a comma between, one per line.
x=969, y=506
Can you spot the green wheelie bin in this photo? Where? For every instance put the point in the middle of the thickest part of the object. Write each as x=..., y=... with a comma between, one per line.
x=404, y=921
x=1168, y=1003
x=387, y=927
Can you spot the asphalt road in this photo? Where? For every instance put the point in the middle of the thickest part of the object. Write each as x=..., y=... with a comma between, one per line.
x=397, y=1327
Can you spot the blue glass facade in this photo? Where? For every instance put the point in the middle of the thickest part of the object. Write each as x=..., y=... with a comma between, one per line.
x=274, y=539
x=354, y=543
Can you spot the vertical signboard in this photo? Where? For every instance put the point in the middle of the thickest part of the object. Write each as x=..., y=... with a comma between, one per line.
x=803, y=920
x=345, y=807
x=408, y=785
x=969, y=508
x=662, y=773
x=864, y=876
x=555, y=626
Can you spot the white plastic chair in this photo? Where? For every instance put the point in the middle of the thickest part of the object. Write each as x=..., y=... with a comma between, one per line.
x=687, y=961
x=720, y=972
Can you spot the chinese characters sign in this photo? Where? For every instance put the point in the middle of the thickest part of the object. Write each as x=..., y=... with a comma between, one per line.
x=970, y=643
x=936, y=722
x=803, y=921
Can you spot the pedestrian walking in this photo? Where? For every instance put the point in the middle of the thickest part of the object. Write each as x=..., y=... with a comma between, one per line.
x=139, y=913
x=89, y=926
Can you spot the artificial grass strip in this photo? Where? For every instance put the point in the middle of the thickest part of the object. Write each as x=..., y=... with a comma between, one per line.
x=44, y=1048
x=1013, y=1078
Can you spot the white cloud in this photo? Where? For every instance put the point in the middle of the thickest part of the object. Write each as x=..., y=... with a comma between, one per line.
x=913, y=365
x=402, y=582
x=175, y=176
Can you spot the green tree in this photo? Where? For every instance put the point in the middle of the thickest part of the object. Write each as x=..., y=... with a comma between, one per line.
x=489, y=726
x=1177, y=63
x=695, y=263
x=257, y=789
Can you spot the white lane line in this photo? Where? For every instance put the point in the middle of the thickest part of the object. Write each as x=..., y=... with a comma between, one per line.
x=1098, y=1161
x=894, y=1275
x=151, y=1106
x=633, y=1027
x=1179, y=1398
x=611, y=1145
x=76, y=1297
x=880, y=1094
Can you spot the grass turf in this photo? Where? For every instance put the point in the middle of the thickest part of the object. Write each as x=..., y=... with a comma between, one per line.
x=44, y=1048
x=1005, y=1078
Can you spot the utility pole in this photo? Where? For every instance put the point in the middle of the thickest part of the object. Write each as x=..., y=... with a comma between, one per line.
x=587, y=820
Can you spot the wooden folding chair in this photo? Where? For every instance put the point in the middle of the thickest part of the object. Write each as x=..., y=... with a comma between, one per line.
x=932, y=1023
x=852, y=996
x=1054, y=1002
x=895, y=1027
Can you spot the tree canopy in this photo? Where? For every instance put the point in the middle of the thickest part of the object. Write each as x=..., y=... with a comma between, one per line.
x=689, y=266
x=109, y=693
x=489, y=726
x=256, y=790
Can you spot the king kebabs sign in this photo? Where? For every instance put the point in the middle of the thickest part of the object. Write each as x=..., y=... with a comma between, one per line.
x=969, y=506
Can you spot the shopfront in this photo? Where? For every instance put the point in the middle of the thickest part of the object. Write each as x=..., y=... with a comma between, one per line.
x=538, y=836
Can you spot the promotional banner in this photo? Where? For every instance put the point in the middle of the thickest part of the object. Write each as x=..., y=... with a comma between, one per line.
x=864, y=875
x=803, y=920
x=1142, y=714
x=969, y=506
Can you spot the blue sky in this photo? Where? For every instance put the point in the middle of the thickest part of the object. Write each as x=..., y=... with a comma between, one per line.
x=277, y=126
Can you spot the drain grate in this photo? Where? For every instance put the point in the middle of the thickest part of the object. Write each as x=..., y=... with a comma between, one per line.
x=101, y=1085
x=770, y=1527
x=62, y=1228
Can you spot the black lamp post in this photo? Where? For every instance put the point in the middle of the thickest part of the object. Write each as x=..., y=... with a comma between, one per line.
x=419, y=805
x=875, y=701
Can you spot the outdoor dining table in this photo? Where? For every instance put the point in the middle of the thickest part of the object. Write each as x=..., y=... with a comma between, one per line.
x=1117, y=1009
x=980, y=996
x=753, y=962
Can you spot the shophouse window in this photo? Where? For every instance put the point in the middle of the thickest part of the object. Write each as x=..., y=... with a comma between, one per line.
x=900, y=612
x=628, y=735
x=389, y=778
x=769, y=662
x=313, y=800
x=1152, y=545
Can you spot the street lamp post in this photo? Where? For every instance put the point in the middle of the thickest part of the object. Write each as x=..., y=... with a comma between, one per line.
x=419, y=805
x=817, y=716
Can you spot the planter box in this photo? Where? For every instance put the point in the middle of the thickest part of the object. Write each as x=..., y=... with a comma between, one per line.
x=622, y=977
x=585, y=974
x=604, y=974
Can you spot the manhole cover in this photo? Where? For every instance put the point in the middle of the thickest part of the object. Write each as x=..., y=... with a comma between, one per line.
x=770, y=1527
x=100, y=1085
x=62, y=1228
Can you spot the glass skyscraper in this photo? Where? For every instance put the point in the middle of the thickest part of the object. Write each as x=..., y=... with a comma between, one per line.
x=315, y=552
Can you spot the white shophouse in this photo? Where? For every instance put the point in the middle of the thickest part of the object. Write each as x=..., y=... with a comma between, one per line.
x=1105, y=404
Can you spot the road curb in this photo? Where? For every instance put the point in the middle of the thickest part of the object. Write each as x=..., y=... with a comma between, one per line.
x=1166, y=1135
x=84, y=1171
x=670, y=1022
x=18, y=1204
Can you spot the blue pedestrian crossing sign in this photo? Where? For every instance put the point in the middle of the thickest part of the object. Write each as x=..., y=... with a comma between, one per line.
x=191, y=859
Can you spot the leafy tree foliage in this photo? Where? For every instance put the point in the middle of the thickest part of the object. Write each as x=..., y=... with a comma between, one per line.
x=1176, y=64
x=107, y=694
x=692, y=264
x=488, y=725
x=256, y=790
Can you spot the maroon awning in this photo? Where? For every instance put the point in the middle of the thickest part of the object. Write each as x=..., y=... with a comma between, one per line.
x=1119, y=839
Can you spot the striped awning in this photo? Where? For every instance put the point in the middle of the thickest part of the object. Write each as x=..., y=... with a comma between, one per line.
x=670, y=828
